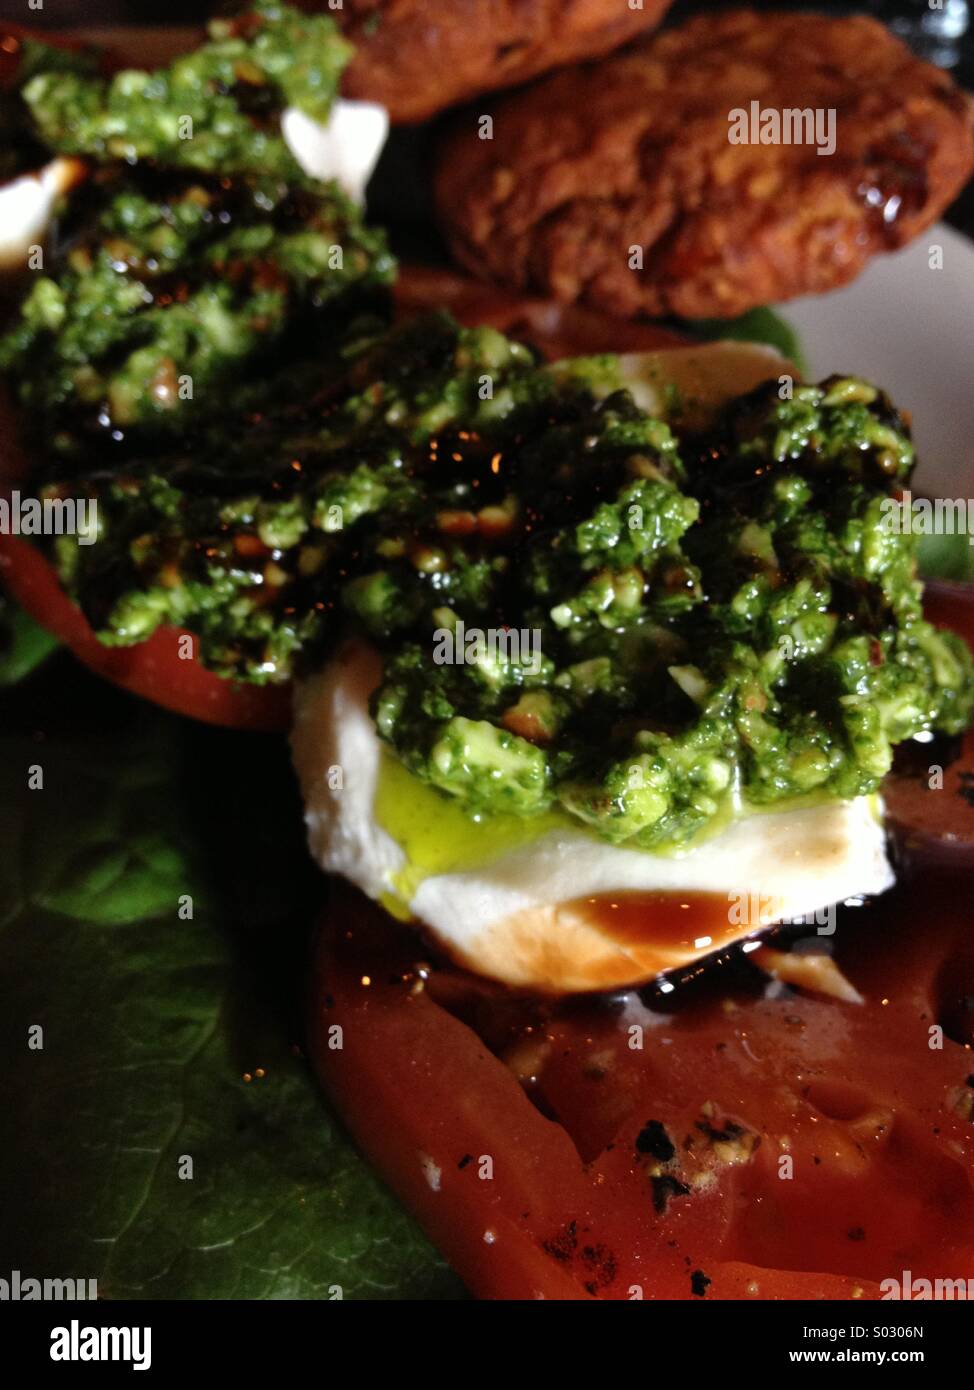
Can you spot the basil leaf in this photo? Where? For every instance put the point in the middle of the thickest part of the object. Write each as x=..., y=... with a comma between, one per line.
x=24, y=644
x=946, y=557
x=762, y=325
x=151, y=1020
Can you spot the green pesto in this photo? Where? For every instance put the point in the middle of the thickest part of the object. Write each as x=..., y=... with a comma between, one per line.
x=247, y=536
x=171, y=292
x=21, y=147
x=748, y=637
x=198, y=270
x=725, y=621
x=715, y=622
x=217, y=108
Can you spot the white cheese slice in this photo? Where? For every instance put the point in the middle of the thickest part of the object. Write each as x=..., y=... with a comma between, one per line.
x=705, y=376
x=526, y=917
x=27, y=205
x=346, y=148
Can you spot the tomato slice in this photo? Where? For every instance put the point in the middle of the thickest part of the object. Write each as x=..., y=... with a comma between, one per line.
x=951, y=605
x=154, y=669
x=724, y=1141
x=555, y=330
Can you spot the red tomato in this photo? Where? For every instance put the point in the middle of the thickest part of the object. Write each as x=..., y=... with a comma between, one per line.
x=555, y=330
x=726, y=1143
x=154, y=668
x=951, y=605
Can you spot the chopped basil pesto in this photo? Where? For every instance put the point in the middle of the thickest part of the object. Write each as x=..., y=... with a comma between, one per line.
x=215, y=109
x=723, y=618
x=753, y=633
x=22, y=148
x=197, y=259
x=169, y=293
x=247, y=535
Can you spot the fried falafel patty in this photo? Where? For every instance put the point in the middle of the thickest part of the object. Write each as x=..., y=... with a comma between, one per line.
x=618, y=184
x=417, y=57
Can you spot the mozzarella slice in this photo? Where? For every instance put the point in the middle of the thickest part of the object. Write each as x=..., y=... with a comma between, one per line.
x=554, y=907
x=705, y=377
x=540, y=915
x=346, y=148
x=27, y=205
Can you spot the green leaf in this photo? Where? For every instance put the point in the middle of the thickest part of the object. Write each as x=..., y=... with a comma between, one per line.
x=24, y=644
x=151, y=1023
x=761, y=325
x=946, y=557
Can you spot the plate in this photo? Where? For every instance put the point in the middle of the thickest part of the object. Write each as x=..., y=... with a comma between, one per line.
x=910, y=329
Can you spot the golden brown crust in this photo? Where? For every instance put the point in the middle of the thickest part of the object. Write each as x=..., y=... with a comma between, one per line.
x=417, y=57
x=634, y=152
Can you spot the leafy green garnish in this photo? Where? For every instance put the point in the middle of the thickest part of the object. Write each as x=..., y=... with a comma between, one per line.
x=24, y=644
x=760, y=325
x=946, y=557
x=151, y=1021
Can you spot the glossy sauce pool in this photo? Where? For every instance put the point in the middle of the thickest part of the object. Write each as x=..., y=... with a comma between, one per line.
x=676, y=921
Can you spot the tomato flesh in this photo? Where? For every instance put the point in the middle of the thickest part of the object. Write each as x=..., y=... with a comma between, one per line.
x=755, y=1144
x=155, y=668
x=555, y=330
